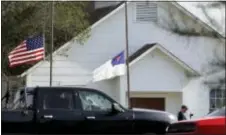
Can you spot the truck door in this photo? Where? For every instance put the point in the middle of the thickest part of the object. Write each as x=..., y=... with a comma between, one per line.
x=57, y=111
x=97, y=109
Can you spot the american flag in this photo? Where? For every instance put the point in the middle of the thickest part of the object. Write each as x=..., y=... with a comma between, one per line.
x=30, y=50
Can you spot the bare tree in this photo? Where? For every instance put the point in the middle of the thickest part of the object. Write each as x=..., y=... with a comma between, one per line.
x=182, y=26
x=218, y=64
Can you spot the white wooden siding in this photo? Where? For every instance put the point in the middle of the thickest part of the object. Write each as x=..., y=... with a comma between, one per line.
x=157, y=72
x=196, y=97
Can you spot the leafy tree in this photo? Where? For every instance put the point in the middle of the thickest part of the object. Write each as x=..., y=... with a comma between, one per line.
x=23, y=19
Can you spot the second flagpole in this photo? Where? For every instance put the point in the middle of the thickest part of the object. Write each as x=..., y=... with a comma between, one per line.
x=51, y=48
x=127, y=56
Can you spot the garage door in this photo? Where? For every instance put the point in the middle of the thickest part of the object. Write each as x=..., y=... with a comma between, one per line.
x=149, y=103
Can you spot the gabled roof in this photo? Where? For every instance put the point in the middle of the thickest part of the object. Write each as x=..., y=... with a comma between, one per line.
x=179, y=6
x=148, y=48
x=140, y=51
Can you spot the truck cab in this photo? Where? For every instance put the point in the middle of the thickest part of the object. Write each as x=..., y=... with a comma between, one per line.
x=62, y=110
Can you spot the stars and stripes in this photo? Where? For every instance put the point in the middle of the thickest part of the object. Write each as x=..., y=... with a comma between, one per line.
x=30, y=50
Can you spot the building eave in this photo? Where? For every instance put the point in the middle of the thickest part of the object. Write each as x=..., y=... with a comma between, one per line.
x=168, y=53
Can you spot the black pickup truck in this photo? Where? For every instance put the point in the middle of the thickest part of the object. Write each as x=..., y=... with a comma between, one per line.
x=70, y=110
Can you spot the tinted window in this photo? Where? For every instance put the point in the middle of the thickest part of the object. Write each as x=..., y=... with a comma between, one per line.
x=93, y=101
x=219, y=112
x=58, y=100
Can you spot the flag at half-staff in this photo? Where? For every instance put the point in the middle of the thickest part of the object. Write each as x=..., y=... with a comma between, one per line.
x=110, y=69
x=29, y=51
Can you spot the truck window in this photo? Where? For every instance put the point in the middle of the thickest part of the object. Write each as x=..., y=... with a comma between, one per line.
x=58, y=100
x=92, y=101
x=22, y=102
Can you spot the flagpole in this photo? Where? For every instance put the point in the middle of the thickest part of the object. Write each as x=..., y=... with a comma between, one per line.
x=51, y=48
x=127, y=56
x=43, y=33
x=44, y=45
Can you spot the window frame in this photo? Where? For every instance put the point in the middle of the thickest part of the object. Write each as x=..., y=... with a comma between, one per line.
x=22, y=99
x=216, y=97
x=62, y=90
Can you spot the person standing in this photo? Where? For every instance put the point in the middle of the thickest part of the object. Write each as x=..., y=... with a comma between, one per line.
x=180, y=115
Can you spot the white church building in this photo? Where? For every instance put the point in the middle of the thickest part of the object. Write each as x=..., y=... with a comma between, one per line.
x=167, y=69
